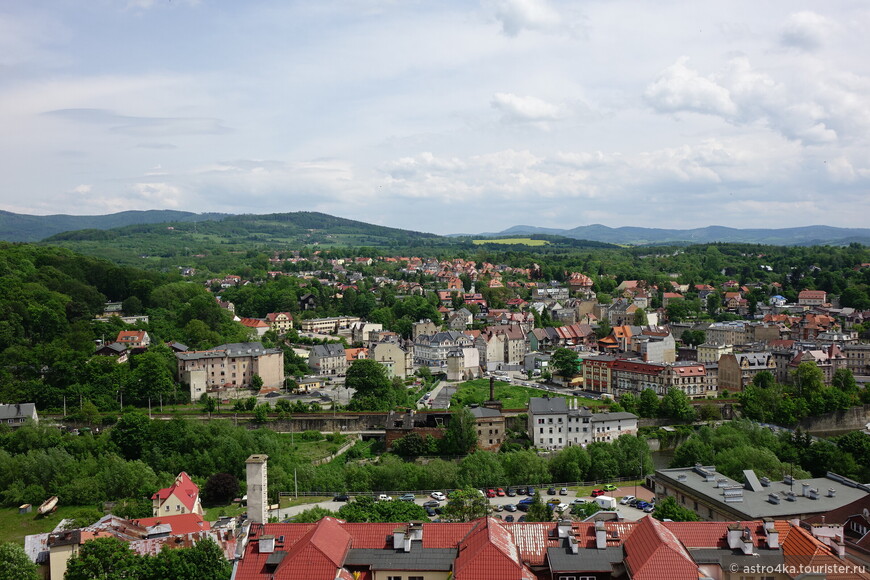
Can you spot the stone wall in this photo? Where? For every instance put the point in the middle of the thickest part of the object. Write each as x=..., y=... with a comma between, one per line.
x=853, y=419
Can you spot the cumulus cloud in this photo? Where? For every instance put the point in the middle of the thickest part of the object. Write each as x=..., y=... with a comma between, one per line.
x=679, y=88
x=516, y=109
x=514, y=16
x=806, y=31
x=812, y=114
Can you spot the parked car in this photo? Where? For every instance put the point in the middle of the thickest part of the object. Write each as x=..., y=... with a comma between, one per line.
x=431, y=503
x=551, y=491
x=384, y=497
x=438, y=495
x=521, y=490
x=626, y=499
x=510, y=507
x=522, y=519
x=490, y=493
x=511, y=492
x=408, y=497
x=530, y=491
x=561, y=507
x=429, y=511
x=597, y=492
x=341, y=497
x=650, y=508
x=508, y=518
x=641, y=505
x=563, y=491
x=633, y=502
x=499, y=492
x=553, y=501
x=609, y=487
x=499, y=508
x=578, y=501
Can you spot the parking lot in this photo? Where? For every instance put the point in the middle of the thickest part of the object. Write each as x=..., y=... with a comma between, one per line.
x=627, y=513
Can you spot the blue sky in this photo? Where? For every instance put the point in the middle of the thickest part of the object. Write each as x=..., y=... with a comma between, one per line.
x=441, y=116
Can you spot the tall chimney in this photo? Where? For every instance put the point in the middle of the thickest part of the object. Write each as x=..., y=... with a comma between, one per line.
x=492, y=388
x=258, y=501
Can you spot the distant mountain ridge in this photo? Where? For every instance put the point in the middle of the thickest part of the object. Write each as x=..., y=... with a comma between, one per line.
x=797, y=236
x=30, y=228
x=15, y=227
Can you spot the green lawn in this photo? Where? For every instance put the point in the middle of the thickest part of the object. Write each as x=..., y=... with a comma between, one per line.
x=511, y=396
x=522, y=241
x=13, y=527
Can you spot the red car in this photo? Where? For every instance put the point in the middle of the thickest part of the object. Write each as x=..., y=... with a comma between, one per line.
x=490, y=493
x=597, y=492
x=499, y=492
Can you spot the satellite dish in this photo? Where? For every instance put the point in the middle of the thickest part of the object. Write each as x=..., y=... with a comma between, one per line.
x=866, y=514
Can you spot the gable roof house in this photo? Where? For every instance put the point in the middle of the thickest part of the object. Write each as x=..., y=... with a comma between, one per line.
x=17, y=414
x=134, y=339
x=182, y=497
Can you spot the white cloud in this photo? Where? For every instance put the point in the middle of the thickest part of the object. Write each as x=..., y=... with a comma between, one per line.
x=82, y=189
x=515, y=16
x=814, y=112
x=516, y=109
x=679, y=88
x=806, y=30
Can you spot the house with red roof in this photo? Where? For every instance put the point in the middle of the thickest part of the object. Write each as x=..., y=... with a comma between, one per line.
x=133, y=339
x=182, y=497
x=280, y=322
x=257, y=326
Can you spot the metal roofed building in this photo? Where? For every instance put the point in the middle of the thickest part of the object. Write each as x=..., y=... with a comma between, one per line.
x=715, y=497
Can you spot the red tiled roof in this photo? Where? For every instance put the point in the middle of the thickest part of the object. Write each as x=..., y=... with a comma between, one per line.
x=253, y=322
x=131, y=336
x=488, y=551
x=318, y=554
x=180, y=524
x=184, y=489
x=653, y=552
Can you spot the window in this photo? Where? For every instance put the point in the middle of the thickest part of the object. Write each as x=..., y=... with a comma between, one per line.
x=394, y=578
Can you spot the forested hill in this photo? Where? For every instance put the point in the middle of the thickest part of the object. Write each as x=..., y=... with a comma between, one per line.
x=797, y=236
x=15, y=227
x=277, y=228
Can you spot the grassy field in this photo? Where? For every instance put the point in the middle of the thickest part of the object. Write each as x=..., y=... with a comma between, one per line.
x=509, y=241
x=13, y=527
x=511, y=396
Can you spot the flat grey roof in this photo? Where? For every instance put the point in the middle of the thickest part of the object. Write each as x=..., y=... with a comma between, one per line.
x=756, y=504
x=587, y=559
x=619, y=416
x=418, y=558
x=545, y=405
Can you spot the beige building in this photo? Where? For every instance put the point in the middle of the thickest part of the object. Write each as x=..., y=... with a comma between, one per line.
x=328, y=325
x=399, y=362
x=280, y=322
x=711, y=352
x=490, y=428
x=328, y=359
x=182, y=497
x=234, y=365
x=737, y=370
